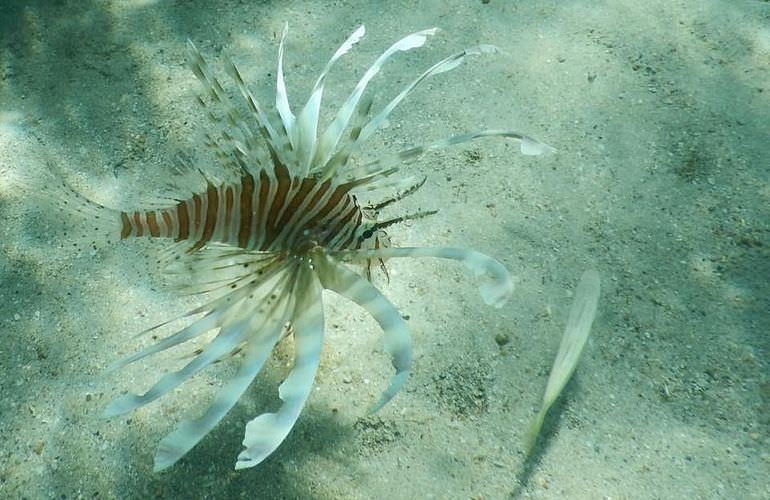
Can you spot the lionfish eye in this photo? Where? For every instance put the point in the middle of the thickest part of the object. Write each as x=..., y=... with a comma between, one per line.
x=367, y=234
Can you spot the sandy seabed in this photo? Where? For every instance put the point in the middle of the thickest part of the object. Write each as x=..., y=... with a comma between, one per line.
x=659, y=111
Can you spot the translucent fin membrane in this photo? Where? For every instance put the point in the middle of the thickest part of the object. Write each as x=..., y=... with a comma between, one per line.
x=235, y=321
x=245, y=145
x=266, y=432
x=281, y=96
x=333, y=133
x=381, y=119
x=217, y=267
x=442, y=66
x=72, y=218
x=258, y=348
x=307, y=123
x=214, y=313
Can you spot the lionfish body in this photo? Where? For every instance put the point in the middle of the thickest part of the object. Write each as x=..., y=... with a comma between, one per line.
x=270, y=212
x=281, y=223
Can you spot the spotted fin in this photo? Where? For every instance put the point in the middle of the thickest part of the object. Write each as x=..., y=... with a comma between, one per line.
x=266, y=331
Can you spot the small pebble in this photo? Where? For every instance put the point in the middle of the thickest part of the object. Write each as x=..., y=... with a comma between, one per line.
x=502, y=339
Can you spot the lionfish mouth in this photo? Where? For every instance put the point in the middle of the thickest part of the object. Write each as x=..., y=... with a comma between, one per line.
x=276, y=223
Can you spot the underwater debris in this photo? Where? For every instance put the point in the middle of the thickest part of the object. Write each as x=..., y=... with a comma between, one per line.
x=581, y=316
x=277, y=222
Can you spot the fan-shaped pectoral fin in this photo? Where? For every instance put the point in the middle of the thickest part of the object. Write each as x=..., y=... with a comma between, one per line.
x=266, y=331
x=266, y=432
x=230, y=336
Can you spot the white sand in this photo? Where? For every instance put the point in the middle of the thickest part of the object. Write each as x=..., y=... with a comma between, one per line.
x=660, y=113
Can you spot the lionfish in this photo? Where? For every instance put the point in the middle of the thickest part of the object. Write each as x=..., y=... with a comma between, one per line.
x=276, y=223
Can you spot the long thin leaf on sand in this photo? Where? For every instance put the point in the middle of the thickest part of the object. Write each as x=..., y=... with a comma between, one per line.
x=581, y=316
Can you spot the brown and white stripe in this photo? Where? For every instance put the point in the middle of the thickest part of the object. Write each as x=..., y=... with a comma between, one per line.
x=269, y=211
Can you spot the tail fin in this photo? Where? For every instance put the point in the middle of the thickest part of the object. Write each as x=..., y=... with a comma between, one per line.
x=66, y=215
